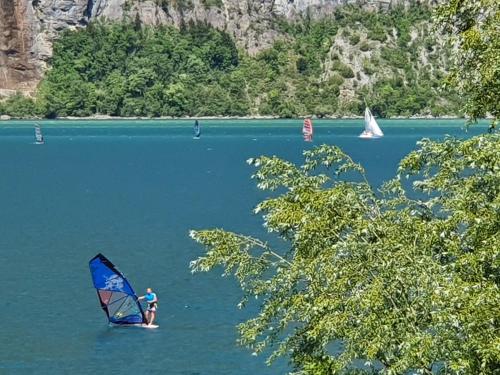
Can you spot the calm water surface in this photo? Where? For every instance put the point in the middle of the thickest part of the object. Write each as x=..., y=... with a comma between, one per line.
x=132, y=190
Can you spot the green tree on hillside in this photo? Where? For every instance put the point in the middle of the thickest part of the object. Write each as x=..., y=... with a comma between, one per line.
x=19, y=106
x=399, y=282
x=474, y=28
x=129, y=70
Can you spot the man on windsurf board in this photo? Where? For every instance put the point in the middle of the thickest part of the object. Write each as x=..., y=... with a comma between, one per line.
x=152, y=301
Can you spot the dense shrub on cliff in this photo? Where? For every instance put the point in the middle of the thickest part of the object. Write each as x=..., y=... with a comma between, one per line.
x=119, y=70
x=19, y=106
x=123, y=69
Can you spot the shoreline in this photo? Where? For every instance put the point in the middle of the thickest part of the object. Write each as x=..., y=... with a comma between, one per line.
x=256, y=117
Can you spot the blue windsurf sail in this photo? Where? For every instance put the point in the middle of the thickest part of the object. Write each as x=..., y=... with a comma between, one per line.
x=118, y=299
x=197, y=129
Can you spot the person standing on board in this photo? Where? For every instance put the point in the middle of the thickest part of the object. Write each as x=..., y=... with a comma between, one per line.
x=152, y=302
x=492, y=127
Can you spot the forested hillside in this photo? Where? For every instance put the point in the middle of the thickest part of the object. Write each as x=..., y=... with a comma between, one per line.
x=326, y=67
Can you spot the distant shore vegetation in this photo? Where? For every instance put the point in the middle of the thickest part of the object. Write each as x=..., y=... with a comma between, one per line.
x=328, y=67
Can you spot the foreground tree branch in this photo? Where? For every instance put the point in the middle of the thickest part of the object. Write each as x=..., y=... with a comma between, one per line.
x=404, y=284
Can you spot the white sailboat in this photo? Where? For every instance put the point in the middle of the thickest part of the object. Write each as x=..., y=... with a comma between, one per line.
x=372, y=130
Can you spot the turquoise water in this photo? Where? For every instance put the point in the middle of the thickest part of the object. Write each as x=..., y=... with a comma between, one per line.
x=132, y=190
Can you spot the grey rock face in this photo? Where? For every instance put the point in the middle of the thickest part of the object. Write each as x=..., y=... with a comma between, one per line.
x=29, y=27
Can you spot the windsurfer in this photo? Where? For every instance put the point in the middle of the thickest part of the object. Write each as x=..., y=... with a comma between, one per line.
x=492, y=127
x=152, y=301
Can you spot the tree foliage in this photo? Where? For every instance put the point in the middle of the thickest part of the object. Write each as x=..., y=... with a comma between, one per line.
x=474, y=29
x=403, y=279
x=19, y=106
x=126, y=70
x=117, y=69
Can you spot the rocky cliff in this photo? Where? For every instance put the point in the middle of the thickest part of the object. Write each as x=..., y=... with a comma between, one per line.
x=28, y=27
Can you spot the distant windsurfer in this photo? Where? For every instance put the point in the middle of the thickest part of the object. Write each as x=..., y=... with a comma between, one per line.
x=152, y=301
x=492, y=127
x=197, y=129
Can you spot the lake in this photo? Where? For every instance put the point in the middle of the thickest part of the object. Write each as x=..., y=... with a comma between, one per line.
x=133, y=190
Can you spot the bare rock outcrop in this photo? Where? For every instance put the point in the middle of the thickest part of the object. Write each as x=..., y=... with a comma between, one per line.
x=17, y=69
x=29, y=27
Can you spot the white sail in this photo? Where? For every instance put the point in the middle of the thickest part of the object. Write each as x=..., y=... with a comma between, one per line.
x=368, y=115
x=372, y=130
x=38, y=135
x=374, y=126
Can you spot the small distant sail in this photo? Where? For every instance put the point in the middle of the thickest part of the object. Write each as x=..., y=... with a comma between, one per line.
x=307, y=130
x=38, y=135
x=197, y=129
x=118, y=299
x=372, y=130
